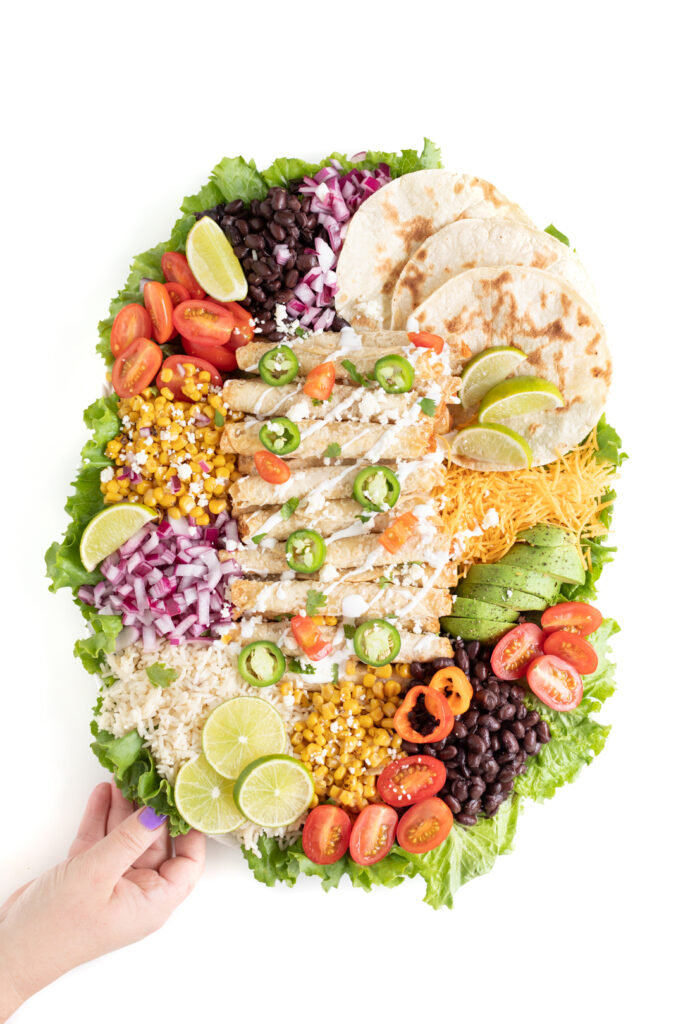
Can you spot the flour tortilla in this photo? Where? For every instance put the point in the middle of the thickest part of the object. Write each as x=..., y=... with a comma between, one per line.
x=470, y=243
x=393, y=223
x=544, y=317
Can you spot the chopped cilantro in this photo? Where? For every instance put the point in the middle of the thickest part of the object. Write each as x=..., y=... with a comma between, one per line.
x=289, y=507
x=384, y=581
x=335, y=673
x=314, y=601
x=316, y=401
x=294, y=665
x=349, y=631
x=160, y=674
x=300, y=332
x=218, y=418
x=364, y=519
x=428, y=406
x=332, y=451
x=258, y=537
x=556, y=233
x=355, y=376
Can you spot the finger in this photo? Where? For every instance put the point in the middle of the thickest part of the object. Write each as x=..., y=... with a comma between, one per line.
x=109, y=859
x=182, y=872
x=160, y=850
x=120, y=808
x=94, y=820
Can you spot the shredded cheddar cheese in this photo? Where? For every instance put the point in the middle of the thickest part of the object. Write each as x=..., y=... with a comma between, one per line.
x=568, y=493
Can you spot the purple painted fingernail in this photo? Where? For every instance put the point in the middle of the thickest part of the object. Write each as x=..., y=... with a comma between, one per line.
x=150, y=819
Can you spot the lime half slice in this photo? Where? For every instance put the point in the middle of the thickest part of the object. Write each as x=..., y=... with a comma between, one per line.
x=213, y=262
x=486, y=370
x=109, y=529
x=519, y=397
x=274, y=791
x=205, y=798
x=241, y=730
x=494, y=444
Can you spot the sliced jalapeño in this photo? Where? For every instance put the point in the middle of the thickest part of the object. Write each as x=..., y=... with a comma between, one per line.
x=261, y=663
x=280, y=436
x=305, y=551
x=376, y=642
x=278, y=366
x=394, y=374
x=376, y=488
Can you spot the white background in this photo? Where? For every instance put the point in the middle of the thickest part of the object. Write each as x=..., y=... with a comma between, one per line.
x=114, y=112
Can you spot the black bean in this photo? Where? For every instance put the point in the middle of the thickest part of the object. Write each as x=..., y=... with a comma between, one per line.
x=242, y=226
x=278, y=198
x=473, y=761
x=473, y=649
x=466, y=819
x=258, y=295
x=491, y=805
x=522, y=712
x=265, y=209
x=516, y=693
x=240, y=252
x=459, y=730
x=543, y=731
x=293, y=203
x=440, y=663
x=418, y=669
x=489, y=764
x=504, y=757
x=454, y=804
x=506, y=712
x=530, y=742
x=483, y=734
x=459, y=790
x=290, y=278
x=504, y=690
x=476, y=743
x=462, y=661
x=477, y=789
x=494, y=743
x=534, y=750
x=284, y=217
x=509, y=741
x=489, y=722
x=517, y=729
x=235, y=207
x=480, y=671
x=411, y=748
x=284, y=296
x=471, y=718
x=531, y=719
x=452, y=771
x=493, y=788
x=428, y=750
x=447, y=753
x=438, y=746
x=471, y=806
x=506, y=775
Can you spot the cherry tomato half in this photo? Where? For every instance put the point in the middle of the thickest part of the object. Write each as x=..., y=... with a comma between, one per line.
x=555, y=682
x=372, y=835
x=573, y=616
x=177, y=292
x=160, y=308
x=515, y=650
x=395, y=535
x=326, y=834
x=424, y=825
x=176, y=268
x=424, y=340
x=136, y=368
x=173, y=374
x=220, y=356
x=271, y=467
x=409, y=779
x=455, y=686
x=572, y=648
x=320, y=381
x=203, y=321
x=423, y=704
x=308, y=637
x=131, y=322
x=243, y=330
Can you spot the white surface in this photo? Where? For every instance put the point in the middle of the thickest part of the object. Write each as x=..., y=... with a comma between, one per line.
x=573, y=110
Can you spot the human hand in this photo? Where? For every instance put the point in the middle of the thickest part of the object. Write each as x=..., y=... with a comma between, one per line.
x=119, y=883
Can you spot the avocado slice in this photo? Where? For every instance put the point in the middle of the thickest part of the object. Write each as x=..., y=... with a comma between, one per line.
x=486, y=630
x=562, y=562
x=545, y=536
x=468, y=608
x=506, y=597
x=538, y=583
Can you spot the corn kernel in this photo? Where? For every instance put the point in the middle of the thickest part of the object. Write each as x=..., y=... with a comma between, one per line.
x=368, y=679
x=393, y=688
x=384, y=672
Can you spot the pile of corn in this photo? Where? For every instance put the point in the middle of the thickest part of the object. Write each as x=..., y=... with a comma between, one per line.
x=166, y=455
x=348, y=736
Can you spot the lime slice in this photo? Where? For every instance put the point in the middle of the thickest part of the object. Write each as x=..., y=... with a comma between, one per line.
x=492, y=443
x=213, y=262
x=205, y=798
x=240, y=730
x=518, y=397
x=486, y=370
x=274, y=791
x=109, y=529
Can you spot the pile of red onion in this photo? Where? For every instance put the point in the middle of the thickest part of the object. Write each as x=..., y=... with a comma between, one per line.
x=167, y=581
x=335, y=197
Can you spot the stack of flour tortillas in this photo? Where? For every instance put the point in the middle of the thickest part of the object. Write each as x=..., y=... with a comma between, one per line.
x=448, y=254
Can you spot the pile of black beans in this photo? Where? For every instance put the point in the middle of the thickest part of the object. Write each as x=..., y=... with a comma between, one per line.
x=253, y=230
x=490, y=743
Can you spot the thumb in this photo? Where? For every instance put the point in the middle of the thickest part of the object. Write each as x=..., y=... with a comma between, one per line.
x=113, y=855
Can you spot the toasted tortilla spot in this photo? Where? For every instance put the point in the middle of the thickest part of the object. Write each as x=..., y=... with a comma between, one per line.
x=582, y=318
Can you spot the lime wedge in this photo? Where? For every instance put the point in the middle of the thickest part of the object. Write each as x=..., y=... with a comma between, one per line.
x=240, y=730
x=213, y=262
x=492, y=443
x=486, y=370
x=109, y=529
x=274, y=791
x=518, y=397
x=205, y=798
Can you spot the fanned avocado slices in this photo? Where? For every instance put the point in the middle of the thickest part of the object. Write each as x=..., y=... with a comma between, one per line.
x=545, y=536
x=485, y=630
x=506, y=597
x=497, y=575
x=561, y=562
x=468, y=608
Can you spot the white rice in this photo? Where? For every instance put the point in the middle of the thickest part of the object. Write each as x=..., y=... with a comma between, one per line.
x=170, y=719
